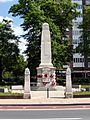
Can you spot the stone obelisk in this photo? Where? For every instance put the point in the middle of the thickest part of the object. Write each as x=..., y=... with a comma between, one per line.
x=27, y=94
x=45, y=47
x=68, y=90
x=45, y=71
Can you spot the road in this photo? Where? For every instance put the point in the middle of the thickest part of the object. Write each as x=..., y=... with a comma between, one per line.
x=61, y=114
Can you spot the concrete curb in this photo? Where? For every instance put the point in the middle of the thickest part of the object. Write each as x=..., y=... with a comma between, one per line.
x=66, y=104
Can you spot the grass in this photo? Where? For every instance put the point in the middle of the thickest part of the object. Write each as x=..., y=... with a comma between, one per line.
x=85, y=86
x=6, y=86
x=10, y=94
x=82, y=93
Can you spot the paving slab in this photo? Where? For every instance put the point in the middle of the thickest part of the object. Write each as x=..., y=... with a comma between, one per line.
x=40, y=97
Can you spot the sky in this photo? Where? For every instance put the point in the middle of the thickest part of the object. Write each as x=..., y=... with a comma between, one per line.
x=4, y=8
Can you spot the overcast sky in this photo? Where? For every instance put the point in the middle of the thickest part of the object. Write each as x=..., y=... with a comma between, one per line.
x=4, y=8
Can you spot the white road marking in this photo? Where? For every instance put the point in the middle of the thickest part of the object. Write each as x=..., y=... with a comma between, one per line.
x=49, y=109
x=50, y=119
x=64, y=119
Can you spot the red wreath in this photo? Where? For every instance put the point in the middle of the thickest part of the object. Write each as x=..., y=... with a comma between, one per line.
x=44, y=83
x=39, y=76
x=51, y=76
x=45, y=75
x=53, y=83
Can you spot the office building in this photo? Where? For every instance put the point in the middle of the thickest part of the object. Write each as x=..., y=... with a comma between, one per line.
x=79, y=66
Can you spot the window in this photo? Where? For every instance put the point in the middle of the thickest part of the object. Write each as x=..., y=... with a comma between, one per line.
x=79, y=7
x=76, y=0
x=75, y=41
x=87, y=2
x=76, y=32
x=88, y=64
x=78, y=60
x=81, y=59
x=74, y=60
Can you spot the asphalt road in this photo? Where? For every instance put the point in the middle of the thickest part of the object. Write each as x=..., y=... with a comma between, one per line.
x=69, y=114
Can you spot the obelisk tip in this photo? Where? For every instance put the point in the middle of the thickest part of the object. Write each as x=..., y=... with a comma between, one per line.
x=45, y=26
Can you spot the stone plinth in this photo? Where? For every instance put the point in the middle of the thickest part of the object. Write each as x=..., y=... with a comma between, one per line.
x=68, y=90
x=27, y=94
x=46, y=77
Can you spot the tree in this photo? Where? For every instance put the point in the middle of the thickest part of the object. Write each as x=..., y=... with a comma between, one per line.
x=59, y=15
x=19, y=69
x=84, y=45
x=8, y=47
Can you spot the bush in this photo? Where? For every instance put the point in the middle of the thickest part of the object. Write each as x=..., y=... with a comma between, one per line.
x=10, y=94
x=61, y=81
x=82, y=93
x=81, y=81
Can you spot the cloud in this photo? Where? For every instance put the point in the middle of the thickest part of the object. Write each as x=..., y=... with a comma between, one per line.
x=22, y=46
x=3, y=1
x=18, y=31
x=1, y=18
x=6, y=18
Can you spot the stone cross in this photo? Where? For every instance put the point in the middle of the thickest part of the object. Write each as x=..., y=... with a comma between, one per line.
x=68, y=91
x=27, y=94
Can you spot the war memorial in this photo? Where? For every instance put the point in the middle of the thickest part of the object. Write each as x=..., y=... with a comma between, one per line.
x=46, y=76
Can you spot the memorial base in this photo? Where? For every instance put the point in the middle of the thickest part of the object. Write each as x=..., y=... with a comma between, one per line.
x=45, y=75
x=27, y=96
x=68, y=94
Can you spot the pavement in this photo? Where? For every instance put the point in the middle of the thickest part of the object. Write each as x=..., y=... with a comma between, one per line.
x=40, y=98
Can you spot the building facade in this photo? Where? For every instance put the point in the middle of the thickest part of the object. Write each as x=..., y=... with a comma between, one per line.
x=78, y=65
x=76, y=33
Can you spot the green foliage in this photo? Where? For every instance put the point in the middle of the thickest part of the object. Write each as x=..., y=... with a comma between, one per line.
x=12, y=65
x=80, y=80
x=4, y=86
x=82, y=93
x=7, y=74
x=17, y=73
x=85, y=86
x=61, y=81
x=8, y=47
x=10, y=94
x=19, y=67
x=58, y=14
